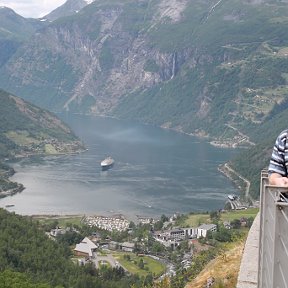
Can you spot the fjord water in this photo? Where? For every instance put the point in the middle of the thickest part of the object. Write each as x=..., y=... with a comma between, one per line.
x=156, y=172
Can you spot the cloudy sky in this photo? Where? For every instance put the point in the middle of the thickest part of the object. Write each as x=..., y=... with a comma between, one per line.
x=32, y=8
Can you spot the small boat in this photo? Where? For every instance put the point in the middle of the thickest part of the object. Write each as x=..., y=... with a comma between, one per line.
x=9, y=205
x=107, y=163
x=232, y=197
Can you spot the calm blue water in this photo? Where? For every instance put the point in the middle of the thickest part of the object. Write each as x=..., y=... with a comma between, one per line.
x=156, y=172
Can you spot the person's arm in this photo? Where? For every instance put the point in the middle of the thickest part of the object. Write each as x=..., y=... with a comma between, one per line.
x=277, y=169
x=278, y=180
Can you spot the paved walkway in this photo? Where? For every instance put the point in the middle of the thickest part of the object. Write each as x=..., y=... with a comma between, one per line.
x=107, y=258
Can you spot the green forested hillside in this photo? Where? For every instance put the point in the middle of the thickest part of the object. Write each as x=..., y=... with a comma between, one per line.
x=29, y=257
x=24, y=248
x=250, y=162
x=236, y=76
x=26, y=129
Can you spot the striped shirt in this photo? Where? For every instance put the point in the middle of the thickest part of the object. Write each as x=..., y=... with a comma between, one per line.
x=279, y=159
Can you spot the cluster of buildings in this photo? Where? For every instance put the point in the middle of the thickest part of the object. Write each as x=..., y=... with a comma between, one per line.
x=145, y=220
x=87, y=247
x=171, y=238
x=39, y=146
x=107, y=223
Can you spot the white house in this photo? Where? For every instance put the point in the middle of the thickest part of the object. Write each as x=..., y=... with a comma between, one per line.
x=127, y=246
x=190, y=232
x=204, y=228
x=176, y=234
x=57, y=231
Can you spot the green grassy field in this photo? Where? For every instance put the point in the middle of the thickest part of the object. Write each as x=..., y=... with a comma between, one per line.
x=63, y=221
x=150, y=265
x=237, y=214
x=195, y=220
x=198, y=219
x=21, y=137
x=49, y=149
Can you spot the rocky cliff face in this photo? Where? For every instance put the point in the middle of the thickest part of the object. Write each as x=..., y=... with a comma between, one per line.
x=102, y=57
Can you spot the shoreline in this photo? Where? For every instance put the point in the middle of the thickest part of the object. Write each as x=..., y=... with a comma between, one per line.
x=228, y=172
x=11, y=192
x=241, y=141
x=135, y=218
x=10, y=172
x=200, y=135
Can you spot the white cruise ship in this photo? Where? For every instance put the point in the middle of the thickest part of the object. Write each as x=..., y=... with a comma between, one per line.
x=107, y=163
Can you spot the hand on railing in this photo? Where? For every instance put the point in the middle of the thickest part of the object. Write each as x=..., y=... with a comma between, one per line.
x=278, y=180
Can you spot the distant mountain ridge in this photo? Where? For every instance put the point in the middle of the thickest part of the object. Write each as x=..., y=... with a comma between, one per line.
x=69, y=8
x=14, y=30
x=210, y=68
x=16, y=26
x=118, y=57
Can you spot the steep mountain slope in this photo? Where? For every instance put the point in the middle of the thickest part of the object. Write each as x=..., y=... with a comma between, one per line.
x=83, y=58
x=234, y=77
x=214, y=68
x=26, y=129
x=209, y=66
x=15, y=26
x=14, y=30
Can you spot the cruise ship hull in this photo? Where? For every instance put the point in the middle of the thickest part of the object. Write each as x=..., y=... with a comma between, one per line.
x=107, y=164
x=107, y=167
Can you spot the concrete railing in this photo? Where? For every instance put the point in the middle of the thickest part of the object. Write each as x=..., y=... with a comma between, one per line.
x=248, y=274
x=273, y=237
x=265, y=259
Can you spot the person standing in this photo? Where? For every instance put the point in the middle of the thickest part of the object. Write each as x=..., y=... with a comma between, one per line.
x=278, y=165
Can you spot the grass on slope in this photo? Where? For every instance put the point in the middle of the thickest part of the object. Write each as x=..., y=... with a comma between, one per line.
x=21, y=138
x=224, y=269
x=232, y=215
x=195, y=220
